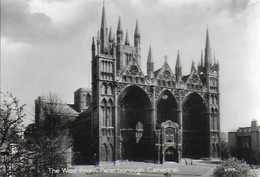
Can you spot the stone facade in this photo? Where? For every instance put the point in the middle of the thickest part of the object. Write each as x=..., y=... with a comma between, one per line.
x=129, y=109
x=244, y=143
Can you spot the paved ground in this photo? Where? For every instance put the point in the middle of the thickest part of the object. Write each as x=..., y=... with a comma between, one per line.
x=132, y=169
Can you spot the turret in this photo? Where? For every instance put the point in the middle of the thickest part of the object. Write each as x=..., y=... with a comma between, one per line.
x=178, y=68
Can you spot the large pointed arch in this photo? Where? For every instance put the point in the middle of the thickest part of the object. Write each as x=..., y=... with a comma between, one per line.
x=166, y=106
x=134, y=106
x=196, y=140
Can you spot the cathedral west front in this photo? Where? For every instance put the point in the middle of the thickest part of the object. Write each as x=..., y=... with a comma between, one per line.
x=159, y=116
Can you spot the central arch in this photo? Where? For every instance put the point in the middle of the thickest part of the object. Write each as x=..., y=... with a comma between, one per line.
x=134, y=113
x=196, y=140
x=167, y=108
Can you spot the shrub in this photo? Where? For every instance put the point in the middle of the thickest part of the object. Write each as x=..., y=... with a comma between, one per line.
x=233, y=168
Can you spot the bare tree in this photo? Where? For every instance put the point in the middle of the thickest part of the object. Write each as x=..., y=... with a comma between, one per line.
x=49, y=138
x=13, y=155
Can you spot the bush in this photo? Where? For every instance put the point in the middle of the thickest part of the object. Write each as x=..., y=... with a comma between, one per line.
x=233, y=168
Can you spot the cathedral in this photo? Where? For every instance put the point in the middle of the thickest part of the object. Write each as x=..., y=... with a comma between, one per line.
x=159, y=116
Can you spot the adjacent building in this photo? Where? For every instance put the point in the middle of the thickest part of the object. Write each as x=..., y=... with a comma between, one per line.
x=244, y=143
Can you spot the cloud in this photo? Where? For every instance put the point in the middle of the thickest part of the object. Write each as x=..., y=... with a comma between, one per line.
x=19, y=25
x=22, y=24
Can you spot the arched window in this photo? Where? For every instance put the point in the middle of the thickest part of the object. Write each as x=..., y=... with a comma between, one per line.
x=104, y=112
x=104, y=152
x=109, y=113
x=109, y=89
x=104, y=88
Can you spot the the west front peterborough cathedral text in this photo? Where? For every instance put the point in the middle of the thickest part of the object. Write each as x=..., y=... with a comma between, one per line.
x=159, y=116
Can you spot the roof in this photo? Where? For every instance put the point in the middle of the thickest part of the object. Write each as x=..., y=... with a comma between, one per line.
x=60, y=108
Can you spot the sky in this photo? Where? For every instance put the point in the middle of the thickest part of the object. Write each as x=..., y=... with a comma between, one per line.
x=46, y=45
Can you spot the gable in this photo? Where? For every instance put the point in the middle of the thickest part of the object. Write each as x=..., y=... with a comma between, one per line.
x=164, y=73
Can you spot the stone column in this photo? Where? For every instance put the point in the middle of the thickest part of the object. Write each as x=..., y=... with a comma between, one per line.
x=180, y=118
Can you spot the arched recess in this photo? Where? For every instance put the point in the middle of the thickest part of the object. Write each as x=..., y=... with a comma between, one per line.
x=170, y=154
x=110, y=113
x=104, y=112
x=134, y=107
x=104, y=153
x=104, y=88
x=166, y=108
x=110, y=152
x=196, y=142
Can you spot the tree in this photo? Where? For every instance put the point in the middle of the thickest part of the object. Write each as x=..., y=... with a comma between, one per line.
x=224, y=146
x=13, y=155
x=49, y=137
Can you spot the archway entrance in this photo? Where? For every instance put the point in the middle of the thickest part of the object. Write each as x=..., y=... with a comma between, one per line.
x=167, y=108
x=170, y=154
x=135, y=124
x=195, y=128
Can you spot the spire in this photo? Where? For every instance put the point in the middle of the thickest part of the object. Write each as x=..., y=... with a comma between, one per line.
x=103, y=30
x=119, y=32
x=93, y=41
x=207, y=50
x=137, y=33
x=110, y=35
x=103, y=21
x=178, y=62
x=178, y=69
x=126, y=38
x=150, y=56
x=119, y=27
x=93, y=47
x=150, y=64
x=137, y=36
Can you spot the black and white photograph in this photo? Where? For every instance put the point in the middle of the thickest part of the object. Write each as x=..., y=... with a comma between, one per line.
x=118, y=88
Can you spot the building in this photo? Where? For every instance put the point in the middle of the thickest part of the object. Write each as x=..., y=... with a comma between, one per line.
x=158, y=116
x=57, y=116
x=244, y=143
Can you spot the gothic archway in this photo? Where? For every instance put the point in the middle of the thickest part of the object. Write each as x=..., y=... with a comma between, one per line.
x=104, y=153
x=110, y=152
x=195, y=127
x=166, y=108
x=135, y=108
x=170, y=154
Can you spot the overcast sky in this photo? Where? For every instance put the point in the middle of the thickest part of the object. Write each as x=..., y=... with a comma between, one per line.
x=46, y=45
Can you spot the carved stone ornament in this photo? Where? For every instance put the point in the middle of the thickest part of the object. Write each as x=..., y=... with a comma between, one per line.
x=167, y=75
x=194, y=79
x=133, y=71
